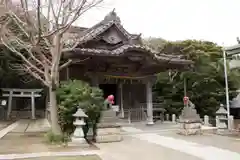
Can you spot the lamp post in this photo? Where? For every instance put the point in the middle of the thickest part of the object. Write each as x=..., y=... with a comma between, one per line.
x=226, y=87
x=230, y=51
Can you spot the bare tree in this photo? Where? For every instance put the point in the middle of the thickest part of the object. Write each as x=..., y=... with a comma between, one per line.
x=35, y=32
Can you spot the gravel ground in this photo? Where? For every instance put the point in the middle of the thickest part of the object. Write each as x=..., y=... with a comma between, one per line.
x=32, y=143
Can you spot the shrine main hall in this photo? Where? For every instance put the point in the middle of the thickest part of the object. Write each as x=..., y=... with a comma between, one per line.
x=119, y=63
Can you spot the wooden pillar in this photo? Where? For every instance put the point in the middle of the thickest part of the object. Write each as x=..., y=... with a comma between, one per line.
x=94, y=80
x=185, y=86
x=9, y=110
x=149, y=103
x=121, y=99
x=67, y=73
x=33, y=106
x=47, y=101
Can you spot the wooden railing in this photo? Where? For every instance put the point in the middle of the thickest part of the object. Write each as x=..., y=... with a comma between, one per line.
x=139, y=114
x=135, y=115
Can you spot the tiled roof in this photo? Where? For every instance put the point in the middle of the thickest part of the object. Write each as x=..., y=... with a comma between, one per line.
x=123, y=49
x=87, y=34
x=91, y=33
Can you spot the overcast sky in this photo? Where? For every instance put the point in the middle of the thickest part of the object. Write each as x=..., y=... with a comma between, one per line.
x=213, y=20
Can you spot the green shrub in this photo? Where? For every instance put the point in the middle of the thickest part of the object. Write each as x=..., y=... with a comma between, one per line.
x=74, y=94
x=56, y=139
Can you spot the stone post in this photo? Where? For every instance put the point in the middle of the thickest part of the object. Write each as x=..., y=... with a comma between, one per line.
x=217, y=121
x=206, y=120
x=33, y=108
x=167, y=117
x=231, y=122
x=173, y=118
x=90, y=134
x=149, y=103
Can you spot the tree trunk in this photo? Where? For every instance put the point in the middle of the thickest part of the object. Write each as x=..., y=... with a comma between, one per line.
x=56, y=129
x=56, y=52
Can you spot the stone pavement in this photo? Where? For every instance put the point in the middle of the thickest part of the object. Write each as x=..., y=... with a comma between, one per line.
x=24, y=126
x=129, y=149
x=165, y=145
x=134, y=149
x=204, y=152
x=27, y=125
x=4, y=124
x=223, y=142
x=7, y=129
x=47, y=154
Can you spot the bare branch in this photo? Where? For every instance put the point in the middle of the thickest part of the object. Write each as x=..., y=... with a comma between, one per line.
x=48, y=16
x=34, y=74
x=53, y=11
x=19, y=22
x=22, y=57
x=39, y=42
x=39, y=20
x=24, y=4
x=26, y=71
x=68, y=10
x=70, y=61
x=25, y=76
x=80, y=11
x=38, y=45
x=65, y=64
x=47, y=61
x=59, y=11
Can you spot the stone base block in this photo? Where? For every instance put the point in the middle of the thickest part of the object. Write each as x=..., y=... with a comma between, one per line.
x=90, y=134
x=81, y=142
x=187, y=132
x=90, y=137
x=190, y=125
x=150, y=123
x=190, y=129
x=105, y=135
x=108, y=130
x=108, y=138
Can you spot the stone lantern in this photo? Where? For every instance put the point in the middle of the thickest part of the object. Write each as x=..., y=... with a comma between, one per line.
x=221, y=118
x=78, y=134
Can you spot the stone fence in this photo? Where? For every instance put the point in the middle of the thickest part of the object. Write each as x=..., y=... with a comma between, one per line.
x=207, y=121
